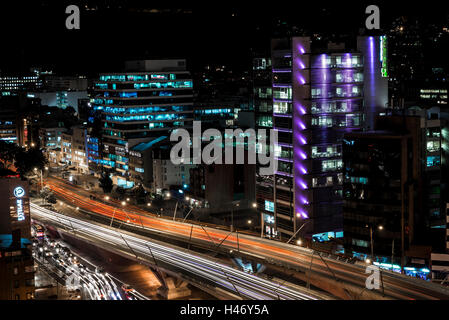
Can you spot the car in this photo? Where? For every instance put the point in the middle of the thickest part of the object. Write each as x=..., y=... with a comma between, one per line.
x=66, y=251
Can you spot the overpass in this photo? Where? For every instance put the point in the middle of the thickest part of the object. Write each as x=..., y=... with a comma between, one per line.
x=342, y=278
x=202, y=271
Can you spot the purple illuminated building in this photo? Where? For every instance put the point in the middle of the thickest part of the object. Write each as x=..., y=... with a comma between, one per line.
x=318, y=95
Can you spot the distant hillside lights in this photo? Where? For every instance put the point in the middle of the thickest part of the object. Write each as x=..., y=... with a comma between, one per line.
x=212, y=152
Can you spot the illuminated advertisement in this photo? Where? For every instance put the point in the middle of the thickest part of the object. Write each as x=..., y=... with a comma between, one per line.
x=269, y=206
x=19, y=192
x=268, y=218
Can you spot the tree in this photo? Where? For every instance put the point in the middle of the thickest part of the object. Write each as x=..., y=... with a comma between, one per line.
x=48, y=195
x=51, y=198
x=45, y=192
x=106, y=182
x=27, y=160
x=140, y=193
x=23, y=159
x=120, y=191
x=8, y=152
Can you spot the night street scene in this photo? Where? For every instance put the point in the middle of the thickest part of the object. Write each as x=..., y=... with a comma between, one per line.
x=210, y=153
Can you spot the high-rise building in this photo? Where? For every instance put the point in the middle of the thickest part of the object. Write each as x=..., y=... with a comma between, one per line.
x=394, y=188
x=262, y=100
x=16, y=260
x=319, y=93
x=15, y=209
x=16, y=119
x=151, y=99
x=11, y=84
x=383, y=189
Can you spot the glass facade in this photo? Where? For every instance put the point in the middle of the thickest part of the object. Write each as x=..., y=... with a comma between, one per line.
x=138, y=106
x=317, y=98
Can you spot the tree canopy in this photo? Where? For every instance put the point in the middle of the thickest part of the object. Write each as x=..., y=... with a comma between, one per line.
x=24, y=160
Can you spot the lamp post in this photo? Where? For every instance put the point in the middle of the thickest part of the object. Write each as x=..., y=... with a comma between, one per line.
x=42, y=182
x=113, y=214
x=371, y=239
x=232, y=215
x=297, y=232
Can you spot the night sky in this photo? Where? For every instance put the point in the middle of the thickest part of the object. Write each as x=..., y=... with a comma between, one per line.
x=225, y=32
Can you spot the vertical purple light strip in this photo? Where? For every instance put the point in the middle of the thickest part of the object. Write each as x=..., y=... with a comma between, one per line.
x=299, y=125
x=372, y=80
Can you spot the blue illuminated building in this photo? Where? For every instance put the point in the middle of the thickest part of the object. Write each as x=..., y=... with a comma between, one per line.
x=149, y=100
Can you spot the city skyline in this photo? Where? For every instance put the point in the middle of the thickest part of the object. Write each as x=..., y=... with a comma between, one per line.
x=224, y=151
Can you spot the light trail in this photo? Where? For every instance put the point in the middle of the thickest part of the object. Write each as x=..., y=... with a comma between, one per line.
x=394, y=285
x=238, y=282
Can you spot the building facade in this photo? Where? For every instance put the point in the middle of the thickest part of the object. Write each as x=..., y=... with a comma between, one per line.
x=139, y=105
x=16, y=268
x=318, y=95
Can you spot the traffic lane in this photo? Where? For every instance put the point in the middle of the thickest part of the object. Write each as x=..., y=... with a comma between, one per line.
x=217, y=236
x=69, y=263
x=179, y=257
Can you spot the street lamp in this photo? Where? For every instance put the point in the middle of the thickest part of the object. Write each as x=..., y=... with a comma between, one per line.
x=149, y=204
x=371, y=231
x=42, y=183
x=232, y=215
x=297, y=231
x=113, y=214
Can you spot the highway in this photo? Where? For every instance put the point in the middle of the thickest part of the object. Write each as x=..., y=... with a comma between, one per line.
x=90, y=280
x=241, y=284
x=394, y=285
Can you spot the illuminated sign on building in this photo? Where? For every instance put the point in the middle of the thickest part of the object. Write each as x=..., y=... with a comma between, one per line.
x=269, y=206
x=269, y=219
x=383, y=56
x=19, y=192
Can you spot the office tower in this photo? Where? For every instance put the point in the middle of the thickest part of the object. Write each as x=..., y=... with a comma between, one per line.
x=319, y=93
x=10, y=85
x=384, y=214
x=151, y=99
x=262, y=100
x=16, y=119
x=15, y=208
